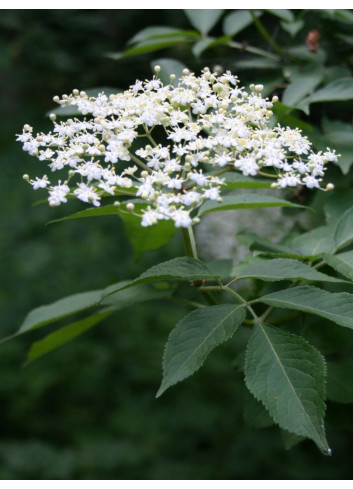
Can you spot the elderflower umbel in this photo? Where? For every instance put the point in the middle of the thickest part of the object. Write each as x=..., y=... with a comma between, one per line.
x=207, y=126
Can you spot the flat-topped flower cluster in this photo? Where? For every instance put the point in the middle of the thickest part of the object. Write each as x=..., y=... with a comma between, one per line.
x=206, y=126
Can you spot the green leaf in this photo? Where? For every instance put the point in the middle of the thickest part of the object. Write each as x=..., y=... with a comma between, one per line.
x=348, y=39
x=292, y=27
x=283, y=14
x=244, y=201
x=147, y=238
x=339, y=135
x=299, y=88
x=104, y=210
x=59, y=309
x=290, y=439
x=194, y=337
x=43, y=315
x=287, y=375
x=261, y=64
x=344, y=230
x=221, y=267
x=283, y=115
x=237, y=21
x=315, y=242
x=156, y=32
x=151, y=45
x=337, y=307
x=200, y=46
x=283, y=269
x=343, y=15
x=183, y=268
x=130, y=296
x=168, y=67
x=203, y=20
x=339, y=381
x=338, y=202
x=254, y=412
x=64, y=335
x=238, y=180
x=343, y=263
x=50, y=313
x=263, y=245
x=341, y=89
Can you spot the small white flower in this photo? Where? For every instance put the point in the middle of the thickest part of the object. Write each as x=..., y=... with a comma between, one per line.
x=87, y=194
x=40, y=182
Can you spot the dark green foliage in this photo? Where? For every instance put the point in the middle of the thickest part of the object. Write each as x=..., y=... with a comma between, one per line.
x=88, y=410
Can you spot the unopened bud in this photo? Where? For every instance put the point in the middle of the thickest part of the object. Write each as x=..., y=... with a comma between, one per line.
x=75, y=92
x=52, y=117
x=56, y=99
x=157, y=68
x=130, y=207
x=116, y=203
x=259, y=87
x=329, y=187
x=186, y=72
x=26, y=177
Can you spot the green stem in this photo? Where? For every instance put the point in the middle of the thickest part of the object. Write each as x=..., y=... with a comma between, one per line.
x=190, y=250
x=252, y=50
x=265, y=34
x=189, y=242
x=232, y=292
x=139, y=162
x=241, y=299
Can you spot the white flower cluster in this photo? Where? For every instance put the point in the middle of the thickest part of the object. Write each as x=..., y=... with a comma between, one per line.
x=206, y=126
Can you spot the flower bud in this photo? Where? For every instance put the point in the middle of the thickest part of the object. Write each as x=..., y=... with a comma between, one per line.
x=329, y=187
x=130, y=207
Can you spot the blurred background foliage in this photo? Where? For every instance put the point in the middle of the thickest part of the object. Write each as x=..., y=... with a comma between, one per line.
x=88, y=410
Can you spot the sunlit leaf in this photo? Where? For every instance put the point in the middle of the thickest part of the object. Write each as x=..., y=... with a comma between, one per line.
x=203, y=20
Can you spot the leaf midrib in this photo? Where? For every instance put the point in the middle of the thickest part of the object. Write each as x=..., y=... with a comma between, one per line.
x=204, y=340
x=289, y=381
